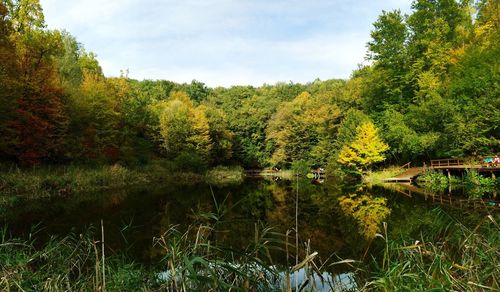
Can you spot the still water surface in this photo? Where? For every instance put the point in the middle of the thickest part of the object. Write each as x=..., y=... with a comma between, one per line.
x=336, y=218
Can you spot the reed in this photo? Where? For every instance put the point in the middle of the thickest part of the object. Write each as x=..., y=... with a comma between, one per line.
x=63, y=264
x=450, y=258
x=447, y=255
x=193, y=259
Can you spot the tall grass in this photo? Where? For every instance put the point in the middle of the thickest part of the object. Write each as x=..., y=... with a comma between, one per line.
x=191, y=262
x=448, y=256
x=451, y=257
x=64, y=264
x=192, y=259
x=195, y=260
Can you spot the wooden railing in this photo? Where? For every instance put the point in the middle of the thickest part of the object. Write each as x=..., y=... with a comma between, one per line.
x=407, y=166
x=446, y=162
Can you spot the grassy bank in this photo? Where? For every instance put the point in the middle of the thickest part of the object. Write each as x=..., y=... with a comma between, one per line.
x=285, y=174
x=63, y=181
x=377, y=177
x=282, y=173
x=475, y=185
x=68, y=180
x=224, y=175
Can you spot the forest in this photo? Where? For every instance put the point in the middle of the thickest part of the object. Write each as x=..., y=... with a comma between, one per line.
x=84, y=156
x=431, y=90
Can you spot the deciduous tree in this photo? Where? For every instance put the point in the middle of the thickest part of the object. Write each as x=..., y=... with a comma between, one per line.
x=367, y=149
x=184, y=128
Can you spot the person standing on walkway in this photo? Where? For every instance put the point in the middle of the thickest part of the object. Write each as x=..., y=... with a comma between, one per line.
x=496, y=160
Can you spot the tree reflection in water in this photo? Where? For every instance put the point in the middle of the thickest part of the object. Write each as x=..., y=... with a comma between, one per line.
x=369, y=212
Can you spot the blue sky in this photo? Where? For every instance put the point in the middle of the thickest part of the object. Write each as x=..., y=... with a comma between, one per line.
x=223, y=42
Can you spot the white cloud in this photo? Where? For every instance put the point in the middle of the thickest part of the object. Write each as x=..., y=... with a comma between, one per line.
x=273, y=61
x=222, y=42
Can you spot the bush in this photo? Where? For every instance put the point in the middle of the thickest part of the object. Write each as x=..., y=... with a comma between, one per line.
x=478, y=186
x=433, y=180
x=190, y=161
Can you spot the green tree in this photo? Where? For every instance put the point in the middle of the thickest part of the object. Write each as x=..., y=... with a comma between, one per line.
x=302, y=129
x=249, y=124
x=348, y=128
x=95, y=130
x=405, y=143
x=389, y=40
x=184, y=128
x=220, y=135
x=197, y=91
x=387, y=84
x=281, y=91
x=474, y=88
x=26, y=15
x=69, y=66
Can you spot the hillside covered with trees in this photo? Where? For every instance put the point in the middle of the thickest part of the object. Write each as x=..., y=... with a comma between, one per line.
x=431, y=89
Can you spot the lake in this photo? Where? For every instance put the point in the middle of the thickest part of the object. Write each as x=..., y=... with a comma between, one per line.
x=338, y=220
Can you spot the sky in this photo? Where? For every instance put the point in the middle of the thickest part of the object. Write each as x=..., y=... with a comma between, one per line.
x=223, y=42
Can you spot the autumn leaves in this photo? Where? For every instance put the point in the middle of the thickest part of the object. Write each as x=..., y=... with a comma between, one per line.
x=366, y=149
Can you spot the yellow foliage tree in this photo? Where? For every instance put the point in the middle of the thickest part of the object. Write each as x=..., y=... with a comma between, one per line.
x=366, y=149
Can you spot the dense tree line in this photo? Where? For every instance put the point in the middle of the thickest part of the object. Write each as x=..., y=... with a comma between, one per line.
x=432, y=90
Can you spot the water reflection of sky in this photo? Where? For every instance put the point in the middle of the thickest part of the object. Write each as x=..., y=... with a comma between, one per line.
x=302, y=280
x=322, y=282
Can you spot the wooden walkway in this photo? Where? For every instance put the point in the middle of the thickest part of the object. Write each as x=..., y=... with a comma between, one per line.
x=407, y=176
x=444, y=165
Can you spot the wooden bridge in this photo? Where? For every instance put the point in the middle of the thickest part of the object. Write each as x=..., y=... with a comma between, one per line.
x=448, y=165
